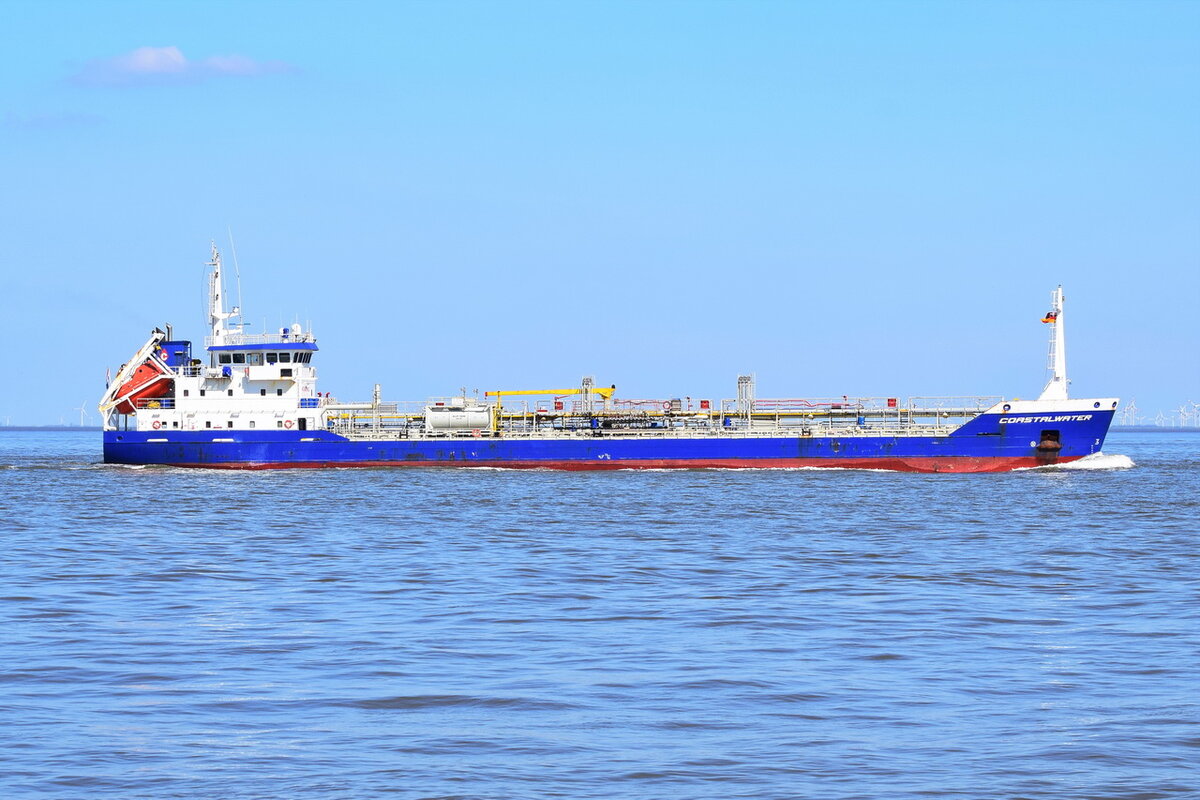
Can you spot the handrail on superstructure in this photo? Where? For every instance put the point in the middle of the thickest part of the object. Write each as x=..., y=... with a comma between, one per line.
x=236, y=339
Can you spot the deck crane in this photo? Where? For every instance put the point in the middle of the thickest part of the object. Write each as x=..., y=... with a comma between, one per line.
x=587, y=389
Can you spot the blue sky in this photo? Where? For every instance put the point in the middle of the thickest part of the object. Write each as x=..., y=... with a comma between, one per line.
x=844, y=198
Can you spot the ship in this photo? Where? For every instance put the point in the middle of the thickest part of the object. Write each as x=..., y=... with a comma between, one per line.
x=250, y=401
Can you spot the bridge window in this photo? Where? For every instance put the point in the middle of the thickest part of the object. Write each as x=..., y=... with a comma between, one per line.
x=224, y=358
x=272, y=358
x=239, y=358
x=285, y=358
x=253, y=358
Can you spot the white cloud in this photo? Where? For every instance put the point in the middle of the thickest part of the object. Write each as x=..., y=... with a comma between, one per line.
x=163, y=65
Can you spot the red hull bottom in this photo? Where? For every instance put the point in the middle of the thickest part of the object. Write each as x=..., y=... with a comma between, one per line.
x=962, y=464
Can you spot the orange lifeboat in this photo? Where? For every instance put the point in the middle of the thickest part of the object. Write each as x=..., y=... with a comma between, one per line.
x=148, y=381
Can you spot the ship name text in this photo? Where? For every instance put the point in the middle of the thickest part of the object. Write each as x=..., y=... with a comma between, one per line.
x=1056, y=418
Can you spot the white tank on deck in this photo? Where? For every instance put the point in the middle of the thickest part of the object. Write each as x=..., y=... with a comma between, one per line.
x=457, y=417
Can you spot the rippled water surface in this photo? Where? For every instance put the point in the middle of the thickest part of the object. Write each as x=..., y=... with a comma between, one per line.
x=478, y=633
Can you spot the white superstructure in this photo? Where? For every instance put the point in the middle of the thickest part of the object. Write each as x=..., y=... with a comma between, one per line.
x=241, y=381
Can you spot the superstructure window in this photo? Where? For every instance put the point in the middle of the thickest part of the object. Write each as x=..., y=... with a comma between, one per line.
x=251, y=423
x=253, y=358
x=202, y=393
x=208, y=423
x=279, y=392
x=285, y=358
x=262, y=392
x=229, y=424
x=239, y=358
x=272, y=358
x=230, y=391
x=185, y=392
x=224, y=358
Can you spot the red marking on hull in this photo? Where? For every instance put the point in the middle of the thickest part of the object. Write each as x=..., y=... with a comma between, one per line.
x=953, y=464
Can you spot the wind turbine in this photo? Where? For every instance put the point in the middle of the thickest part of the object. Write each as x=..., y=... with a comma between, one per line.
x=1127, y=413
x=82, y=412
x=1131, y=410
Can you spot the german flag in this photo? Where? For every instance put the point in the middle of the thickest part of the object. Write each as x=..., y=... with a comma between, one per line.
x=1051, y=316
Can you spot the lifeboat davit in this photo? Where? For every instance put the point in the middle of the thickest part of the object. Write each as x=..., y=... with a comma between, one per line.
x=148, y=381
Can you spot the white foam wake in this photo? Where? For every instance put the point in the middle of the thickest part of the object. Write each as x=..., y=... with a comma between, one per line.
x=1099, y=461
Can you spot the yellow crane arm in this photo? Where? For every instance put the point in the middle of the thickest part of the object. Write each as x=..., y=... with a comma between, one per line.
x=604, y=391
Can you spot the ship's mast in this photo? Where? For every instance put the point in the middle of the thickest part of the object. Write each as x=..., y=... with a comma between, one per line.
x=1056, y=387
x=217, y=315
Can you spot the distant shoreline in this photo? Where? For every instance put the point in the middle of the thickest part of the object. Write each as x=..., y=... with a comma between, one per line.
x=56, y=428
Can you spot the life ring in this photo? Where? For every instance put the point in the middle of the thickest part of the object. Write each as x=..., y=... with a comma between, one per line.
x=156, y=424
x=287, y=423
x=666, y=405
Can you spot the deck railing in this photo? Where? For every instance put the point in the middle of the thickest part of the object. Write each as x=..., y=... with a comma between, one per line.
x=788, y=417
x=261, y=338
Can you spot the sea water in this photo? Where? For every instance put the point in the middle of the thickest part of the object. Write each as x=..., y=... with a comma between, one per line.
x=480, y=633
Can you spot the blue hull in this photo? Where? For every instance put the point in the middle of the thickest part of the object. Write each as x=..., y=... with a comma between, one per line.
x=987, y=443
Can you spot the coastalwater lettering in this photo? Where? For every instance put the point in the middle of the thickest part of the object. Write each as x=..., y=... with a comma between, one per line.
x=1056, y=418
